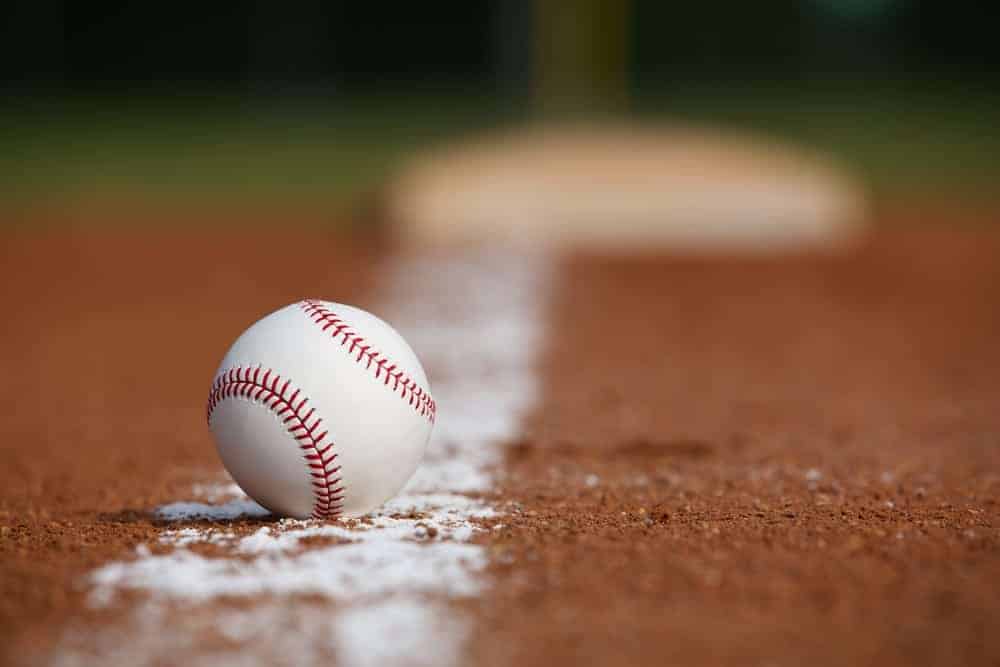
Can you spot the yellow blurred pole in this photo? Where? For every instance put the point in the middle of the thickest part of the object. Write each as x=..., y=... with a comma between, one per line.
x=582, y=56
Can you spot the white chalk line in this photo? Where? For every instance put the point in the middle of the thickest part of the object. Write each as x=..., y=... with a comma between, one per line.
x=373, y=592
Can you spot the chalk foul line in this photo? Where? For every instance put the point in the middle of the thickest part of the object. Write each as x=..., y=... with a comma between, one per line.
x=373, y=591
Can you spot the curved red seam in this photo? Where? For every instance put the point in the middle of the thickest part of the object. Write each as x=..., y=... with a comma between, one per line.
x=418, y=398
x=245, y=382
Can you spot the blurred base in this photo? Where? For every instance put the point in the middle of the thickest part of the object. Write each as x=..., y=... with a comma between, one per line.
x=630, y=187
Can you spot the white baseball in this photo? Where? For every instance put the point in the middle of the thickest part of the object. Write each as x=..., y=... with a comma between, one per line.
x=320, y=409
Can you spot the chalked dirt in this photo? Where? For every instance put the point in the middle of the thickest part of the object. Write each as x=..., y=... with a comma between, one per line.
x=766, y=461
x=110, y=342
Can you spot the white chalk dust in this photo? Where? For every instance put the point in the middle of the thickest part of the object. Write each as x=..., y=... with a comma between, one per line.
x=358, y=593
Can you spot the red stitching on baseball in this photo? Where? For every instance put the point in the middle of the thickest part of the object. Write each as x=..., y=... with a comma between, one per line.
x=418, y=398
x=244, y=382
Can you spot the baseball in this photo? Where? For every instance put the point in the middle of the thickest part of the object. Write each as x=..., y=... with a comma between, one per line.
x=319, y=410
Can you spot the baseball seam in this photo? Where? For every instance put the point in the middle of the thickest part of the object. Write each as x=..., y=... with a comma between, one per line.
x=391, y=375
x=263, y=386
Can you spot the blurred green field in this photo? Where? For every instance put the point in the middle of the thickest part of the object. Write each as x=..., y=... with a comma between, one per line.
x=901, y=141
x=219, y=146
x=927, y=139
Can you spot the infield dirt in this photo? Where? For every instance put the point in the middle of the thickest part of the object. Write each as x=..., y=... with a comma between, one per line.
x=778, y=462
x=113, y=339
x=734, y=461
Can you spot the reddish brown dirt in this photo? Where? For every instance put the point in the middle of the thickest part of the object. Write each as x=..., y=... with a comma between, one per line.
x=770, y=462
x=107, y=356
x=735, y=462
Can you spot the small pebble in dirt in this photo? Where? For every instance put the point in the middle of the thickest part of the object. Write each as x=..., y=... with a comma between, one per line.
x=813, y=475
x=422, y=531
x=592, y=480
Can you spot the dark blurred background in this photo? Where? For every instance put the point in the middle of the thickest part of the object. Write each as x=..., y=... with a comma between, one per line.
x=54, y=45
x=906, y=90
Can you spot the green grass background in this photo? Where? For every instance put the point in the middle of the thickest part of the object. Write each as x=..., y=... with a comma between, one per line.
x=926, y=140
